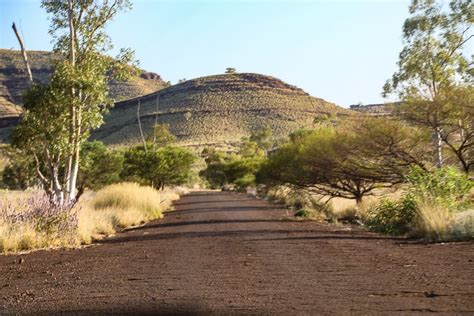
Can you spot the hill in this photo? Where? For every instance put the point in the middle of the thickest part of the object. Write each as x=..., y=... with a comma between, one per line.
x=217, y=110
x=382, y=109
x=14, y=81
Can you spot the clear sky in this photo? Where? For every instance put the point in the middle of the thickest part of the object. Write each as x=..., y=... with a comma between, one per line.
x=339, y=50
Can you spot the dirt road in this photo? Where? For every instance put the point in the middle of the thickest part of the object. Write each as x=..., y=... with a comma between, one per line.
x=228, y=253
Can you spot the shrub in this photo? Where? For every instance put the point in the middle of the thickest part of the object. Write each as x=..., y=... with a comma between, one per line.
x=447, y=187
x=32, y=222
x=237, y=169
x=99, y=166
x=392, y=217
x=159, y=167
x=431, y=207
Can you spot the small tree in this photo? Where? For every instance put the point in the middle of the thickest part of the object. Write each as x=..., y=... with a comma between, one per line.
x=349, y=162
x=19, y=173
x=58, y=117
x=99, y=166
x=161, y=136
x=230, y=70
x=159, y=167
x=263, y=137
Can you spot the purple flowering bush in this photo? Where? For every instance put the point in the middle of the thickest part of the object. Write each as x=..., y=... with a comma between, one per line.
x=31, y=221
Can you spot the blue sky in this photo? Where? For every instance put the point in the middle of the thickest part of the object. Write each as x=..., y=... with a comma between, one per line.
x=340, y=50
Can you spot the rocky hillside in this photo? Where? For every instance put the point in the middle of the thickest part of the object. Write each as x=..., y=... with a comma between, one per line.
x=14, y=81
x=382, y=109
x=217, y=110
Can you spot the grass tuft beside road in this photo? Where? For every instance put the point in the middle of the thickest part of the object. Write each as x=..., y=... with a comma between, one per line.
x=27, y=221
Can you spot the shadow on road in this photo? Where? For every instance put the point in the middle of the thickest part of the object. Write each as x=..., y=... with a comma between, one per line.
x=223, y=209
x=246, y=233
x=204, y=222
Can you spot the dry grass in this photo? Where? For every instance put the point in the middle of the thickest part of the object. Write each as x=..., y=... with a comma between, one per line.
x=324, y=208
x=218, y=110
x=98, y=214
x=120, y=206
x=437, y=222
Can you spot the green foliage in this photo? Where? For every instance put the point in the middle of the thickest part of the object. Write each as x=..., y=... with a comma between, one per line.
x=215, y=172
x=230, y=70
x=161, y=136
x=247, y=180
x=237, y=169
x=99, y=166
x=20, y=172
x=58, y=116
x=434, y=54
x=348, y=161
x=429, y=208
x=446, y=187
x=263, y=137
x=435, y=75
x=158, y=167
x=392, y=217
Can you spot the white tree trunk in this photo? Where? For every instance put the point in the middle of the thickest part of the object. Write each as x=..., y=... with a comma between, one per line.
x=23, y=52
x=73, y=161
x=438, y=147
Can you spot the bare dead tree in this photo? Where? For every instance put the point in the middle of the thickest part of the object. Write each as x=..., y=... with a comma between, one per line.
x=23, y=53
x=140, y=126
x=156, y=119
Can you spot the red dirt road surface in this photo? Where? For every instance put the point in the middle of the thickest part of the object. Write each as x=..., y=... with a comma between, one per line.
x=227, y=253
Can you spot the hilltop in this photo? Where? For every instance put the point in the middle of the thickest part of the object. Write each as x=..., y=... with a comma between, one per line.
x=217, y=110
x=14, y=81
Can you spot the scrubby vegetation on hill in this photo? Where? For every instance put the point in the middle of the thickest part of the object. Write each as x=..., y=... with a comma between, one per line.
x=217, y=110
x=14, y=81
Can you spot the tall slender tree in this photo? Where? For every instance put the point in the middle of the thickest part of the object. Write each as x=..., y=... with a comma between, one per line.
x=434, y=61
x=58, y=117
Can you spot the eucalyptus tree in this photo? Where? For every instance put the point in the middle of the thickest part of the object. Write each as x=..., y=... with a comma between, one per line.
x=59, y=116
x=434, y=61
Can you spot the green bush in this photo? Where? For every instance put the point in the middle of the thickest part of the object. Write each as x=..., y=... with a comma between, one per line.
x=230, y=168
x=432, y=208
x=446, y=187
x=170, y=165
x=304, y=213
x=392, y=217
x=99, y=166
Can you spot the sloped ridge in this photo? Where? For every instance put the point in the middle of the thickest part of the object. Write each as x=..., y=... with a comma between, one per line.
x=219, y=109
x=14, y=80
